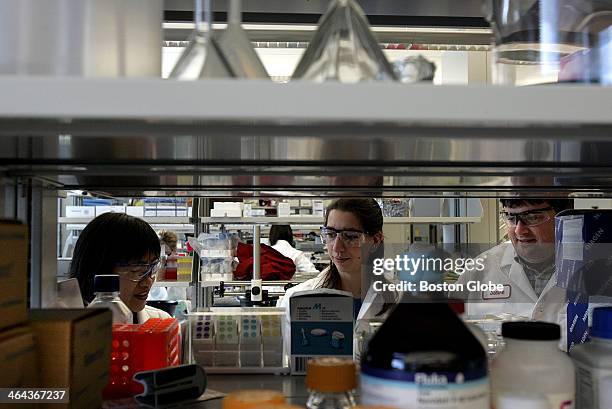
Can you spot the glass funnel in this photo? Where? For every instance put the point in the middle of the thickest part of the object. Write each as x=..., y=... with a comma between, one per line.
x=203, y=57
x=238, y=48
x=344, y=49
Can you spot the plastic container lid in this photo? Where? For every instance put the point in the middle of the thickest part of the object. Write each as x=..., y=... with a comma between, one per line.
x=522, y=402
x=531, y=330
x=251, y=399
x=106, y=283
x=602, y=323
x=331, y=375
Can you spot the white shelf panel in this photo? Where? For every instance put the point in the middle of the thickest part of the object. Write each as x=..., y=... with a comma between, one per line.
x=246, y=100
x=301, y=220
x=318, y=221
x=171, y=284
x=150, y=220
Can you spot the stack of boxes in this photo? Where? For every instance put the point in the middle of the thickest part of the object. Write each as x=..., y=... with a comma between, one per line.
x=49, y=348
x=17, y=348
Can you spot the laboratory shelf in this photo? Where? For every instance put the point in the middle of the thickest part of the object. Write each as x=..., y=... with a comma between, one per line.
x=317, y=221
x=171, y=283
x=246, y=100
x=258, y=138
x=150, y=220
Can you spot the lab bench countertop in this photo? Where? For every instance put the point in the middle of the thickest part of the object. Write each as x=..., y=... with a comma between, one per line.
x=293, y=387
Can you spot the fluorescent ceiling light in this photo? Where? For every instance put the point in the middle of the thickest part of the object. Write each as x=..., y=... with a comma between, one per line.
x=310, y=27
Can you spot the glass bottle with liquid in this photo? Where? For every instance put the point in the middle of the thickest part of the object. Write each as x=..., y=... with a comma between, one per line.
x=424, y=356
x=106, y=290
x=331, y=383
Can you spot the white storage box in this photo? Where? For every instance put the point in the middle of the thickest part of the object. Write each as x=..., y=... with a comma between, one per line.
x=136, y=211
x=81, y=211
x=109, y=209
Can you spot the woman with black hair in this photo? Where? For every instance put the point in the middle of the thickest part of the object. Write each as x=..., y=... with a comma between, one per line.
x=281, y=240
x=115, y=243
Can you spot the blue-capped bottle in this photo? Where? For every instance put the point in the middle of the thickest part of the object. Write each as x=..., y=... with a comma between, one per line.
x=425, y=357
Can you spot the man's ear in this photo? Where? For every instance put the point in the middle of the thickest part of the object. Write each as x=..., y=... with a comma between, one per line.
x=378, y=237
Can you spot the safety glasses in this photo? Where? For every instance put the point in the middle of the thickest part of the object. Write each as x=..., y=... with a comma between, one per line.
x=139, y=272
x=350, y=238
x=529, y=218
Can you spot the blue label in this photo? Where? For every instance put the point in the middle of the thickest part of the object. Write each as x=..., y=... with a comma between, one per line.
x=322, y=338
x=427, y=378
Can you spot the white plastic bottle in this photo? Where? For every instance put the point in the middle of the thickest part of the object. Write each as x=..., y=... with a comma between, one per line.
x=593, y=362
x=106, y=289
x=532, y=363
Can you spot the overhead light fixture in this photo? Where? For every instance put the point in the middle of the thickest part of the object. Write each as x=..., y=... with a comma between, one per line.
x=311, y=27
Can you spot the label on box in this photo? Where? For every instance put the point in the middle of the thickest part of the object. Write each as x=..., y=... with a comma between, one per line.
x=321, y=324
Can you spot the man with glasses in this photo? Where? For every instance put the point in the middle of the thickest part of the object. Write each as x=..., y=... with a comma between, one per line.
x=525, y=266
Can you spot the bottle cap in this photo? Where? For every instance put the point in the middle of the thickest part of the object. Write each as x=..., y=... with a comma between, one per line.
x=602, y=323
x=531, y=330
x=251, y=399
x=331, y=375
x=106, y=283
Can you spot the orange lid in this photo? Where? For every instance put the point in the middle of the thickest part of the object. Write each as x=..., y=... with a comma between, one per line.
x=251, y=399
x=331, y=375
x=286, y=406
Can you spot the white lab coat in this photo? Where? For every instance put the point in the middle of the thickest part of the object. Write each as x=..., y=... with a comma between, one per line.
x=302, y=263
x=151, y=312
x=519, y=298
x=370, y=308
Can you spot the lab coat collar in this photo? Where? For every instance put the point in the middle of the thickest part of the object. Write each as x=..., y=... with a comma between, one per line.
x=516, y=273
x=508, y=256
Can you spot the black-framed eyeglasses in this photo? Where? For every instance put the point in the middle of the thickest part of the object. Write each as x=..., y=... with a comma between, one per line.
x=351, y=238
x=529, y=218
x=137, y=272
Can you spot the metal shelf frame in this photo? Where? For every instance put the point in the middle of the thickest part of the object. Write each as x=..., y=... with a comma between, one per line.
x=146, y=137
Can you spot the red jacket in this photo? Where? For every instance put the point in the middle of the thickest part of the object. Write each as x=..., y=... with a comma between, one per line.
x=274, y=266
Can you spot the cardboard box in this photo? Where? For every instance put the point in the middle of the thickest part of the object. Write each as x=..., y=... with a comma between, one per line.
x=13, y=273
x=74, y=352
x=321, y=325
x=18, y=363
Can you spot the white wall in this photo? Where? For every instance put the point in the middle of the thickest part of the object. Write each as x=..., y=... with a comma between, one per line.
x=452, y=67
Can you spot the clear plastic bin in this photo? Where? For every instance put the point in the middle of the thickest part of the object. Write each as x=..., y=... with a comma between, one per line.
x=238, y=340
